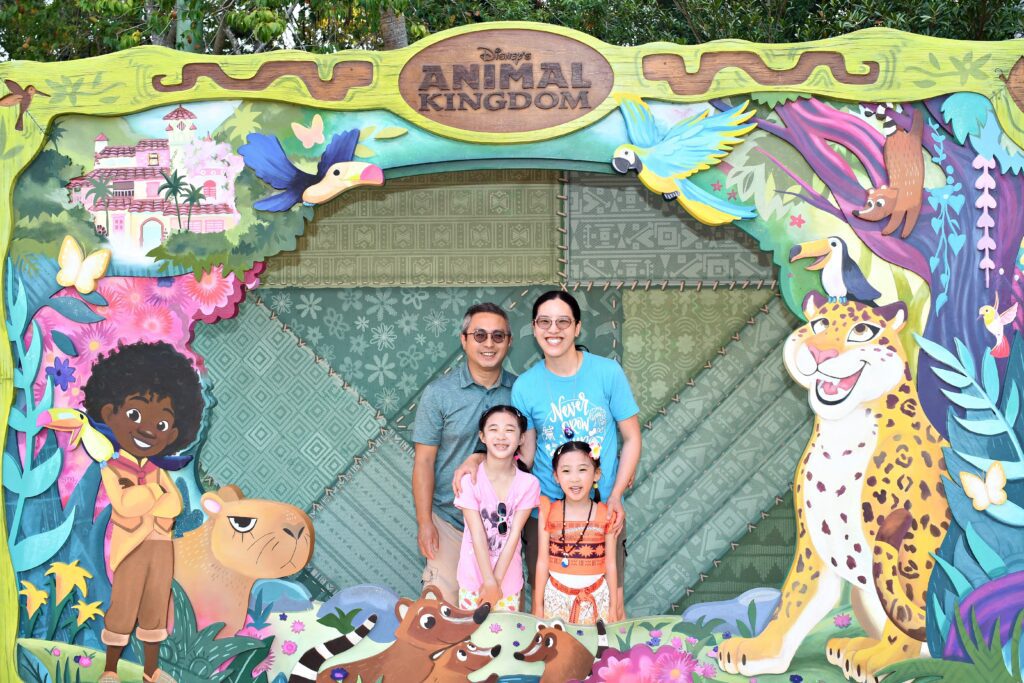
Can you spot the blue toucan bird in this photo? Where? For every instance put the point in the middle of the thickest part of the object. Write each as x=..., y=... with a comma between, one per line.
x=335, y=172
x=665, y=159
x=841, y=277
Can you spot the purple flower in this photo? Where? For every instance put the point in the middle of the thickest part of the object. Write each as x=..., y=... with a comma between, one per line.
x=515, y=643
x=796, y=678
x=339, y=674
x=707, y=670
x=84, y=661
x=61, y=373
x=495, y=628
x=726, y=635
x=520, y=626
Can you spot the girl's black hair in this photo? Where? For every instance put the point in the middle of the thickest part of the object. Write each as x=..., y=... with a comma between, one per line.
x=148, y=370
x=520, y=420
x=564, y=297
x=576, y=447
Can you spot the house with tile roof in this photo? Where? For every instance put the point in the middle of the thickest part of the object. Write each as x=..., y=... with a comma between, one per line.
x=139, y=214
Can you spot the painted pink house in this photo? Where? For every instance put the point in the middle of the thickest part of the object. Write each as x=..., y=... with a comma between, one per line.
x=138, y=211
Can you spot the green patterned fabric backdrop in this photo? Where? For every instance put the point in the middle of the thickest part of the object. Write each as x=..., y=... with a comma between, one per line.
x=668, y=335
x=761, y=558
x=282, y=426
x=619, y=231
x=492, y=228
x=323, y=371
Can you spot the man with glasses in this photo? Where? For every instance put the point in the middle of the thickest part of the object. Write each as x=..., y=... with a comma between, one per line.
x=445, y=434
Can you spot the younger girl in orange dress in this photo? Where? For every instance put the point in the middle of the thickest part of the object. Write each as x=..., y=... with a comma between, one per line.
x=579, y=565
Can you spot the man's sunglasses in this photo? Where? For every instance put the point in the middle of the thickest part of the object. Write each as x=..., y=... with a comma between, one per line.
x=545, y=323
x=480, y=336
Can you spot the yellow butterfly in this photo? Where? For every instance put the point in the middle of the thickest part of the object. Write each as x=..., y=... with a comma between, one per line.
x=78, y=270
x=313, y=135
x=988, y=491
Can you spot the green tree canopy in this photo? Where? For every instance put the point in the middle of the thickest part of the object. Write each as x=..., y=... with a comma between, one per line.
x=46, y=30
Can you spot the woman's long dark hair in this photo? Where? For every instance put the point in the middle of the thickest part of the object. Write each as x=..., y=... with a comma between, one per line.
x=576, y=447
x=520, y=420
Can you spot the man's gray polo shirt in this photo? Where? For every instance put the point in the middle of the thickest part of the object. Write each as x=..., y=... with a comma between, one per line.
x=448, y=417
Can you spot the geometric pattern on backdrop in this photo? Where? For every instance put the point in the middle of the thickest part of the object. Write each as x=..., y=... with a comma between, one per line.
x=282, y=428
x=386, y=342
x=619, y=231
x=486, y=228
x=390, y=342
x=368, y=519
x=669, y=335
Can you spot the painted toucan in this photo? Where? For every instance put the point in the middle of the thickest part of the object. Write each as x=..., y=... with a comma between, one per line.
x=664, y=159
x=841, y=277
x=335, y=172
x=96, y=438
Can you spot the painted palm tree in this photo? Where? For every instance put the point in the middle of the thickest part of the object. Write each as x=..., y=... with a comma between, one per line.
x=54, y=135
x=101, y=190
x=193, y=196
x=174, y=186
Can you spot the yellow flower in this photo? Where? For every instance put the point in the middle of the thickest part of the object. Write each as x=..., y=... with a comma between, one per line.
x=87, y=611
x=69, y=576
x=34, y=598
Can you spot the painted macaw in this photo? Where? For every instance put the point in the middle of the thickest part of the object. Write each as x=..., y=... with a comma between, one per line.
x=96, y=438
x=664, y=160
x=841, y=277
x=335, y=172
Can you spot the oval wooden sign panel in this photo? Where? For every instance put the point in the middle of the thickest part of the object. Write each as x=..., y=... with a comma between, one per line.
x=506, y=80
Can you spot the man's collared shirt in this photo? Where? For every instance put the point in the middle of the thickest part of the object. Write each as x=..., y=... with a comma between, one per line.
x=449, y=417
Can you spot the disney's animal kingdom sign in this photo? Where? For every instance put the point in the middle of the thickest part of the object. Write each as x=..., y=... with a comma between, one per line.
x=511, y=80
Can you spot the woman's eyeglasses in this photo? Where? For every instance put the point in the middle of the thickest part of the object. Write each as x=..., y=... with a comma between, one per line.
x=480, y=336
x=545, y=323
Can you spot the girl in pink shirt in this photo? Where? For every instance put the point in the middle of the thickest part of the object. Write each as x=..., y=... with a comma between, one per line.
x=495, y=509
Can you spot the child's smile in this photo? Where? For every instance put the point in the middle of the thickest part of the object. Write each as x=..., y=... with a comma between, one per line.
x=142, y=425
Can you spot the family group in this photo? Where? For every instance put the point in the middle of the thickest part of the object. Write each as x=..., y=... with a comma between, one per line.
x=507, y=466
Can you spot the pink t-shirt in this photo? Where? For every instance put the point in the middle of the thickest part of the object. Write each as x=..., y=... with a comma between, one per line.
x=524, y=494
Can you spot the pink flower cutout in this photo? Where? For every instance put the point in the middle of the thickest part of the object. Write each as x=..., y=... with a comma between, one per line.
x=289, y=647
x=298, y=626
x=796, y=221
x=495, y=628
x=673, y=667
x=617, y=670
x=263, y=667
x=716, y=186
x=211, y=291
x=842, y=620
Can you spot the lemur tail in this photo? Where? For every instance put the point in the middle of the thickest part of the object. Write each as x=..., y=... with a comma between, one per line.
x=311, y=661
x=908, y=616
x=602, y=639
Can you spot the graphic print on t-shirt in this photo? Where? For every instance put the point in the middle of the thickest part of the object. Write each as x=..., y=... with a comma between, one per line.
x=574, y=419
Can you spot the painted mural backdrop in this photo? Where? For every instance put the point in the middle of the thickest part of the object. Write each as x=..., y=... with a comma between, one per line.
x=809, y=265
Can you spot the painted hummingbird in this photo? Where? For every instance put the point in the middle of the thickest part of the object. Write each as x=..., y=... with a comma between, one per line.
x=21, y=98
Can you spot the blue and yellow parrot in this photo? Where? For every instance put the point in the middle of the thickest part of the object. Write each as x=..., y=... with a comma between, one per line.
x=664, y=160
x=96, y=438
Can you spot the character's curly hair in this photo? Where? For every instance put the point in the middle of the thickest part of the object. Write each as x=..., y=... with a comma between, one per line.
x=148, y=369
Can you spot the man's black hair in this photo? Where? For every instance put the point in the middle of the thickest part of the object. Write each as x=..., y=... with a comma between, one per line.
x=148, y=370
